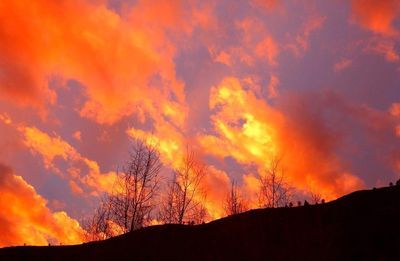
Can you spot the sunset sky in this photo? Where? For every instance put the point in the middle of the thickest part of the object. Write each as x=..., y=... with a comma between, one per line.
x=238, y=81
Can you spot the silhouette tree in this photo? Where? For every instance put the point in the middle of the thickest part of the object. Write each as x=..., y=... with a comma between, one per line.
x=98, y=227
x=136, y=187
x=179, y=204
x=129, y=205
x=274, y=190
x=315, y=197
x=234, y=203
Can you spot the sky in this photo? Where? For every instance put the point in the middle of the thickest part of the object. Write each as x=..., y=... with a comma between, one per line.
x=239, y=82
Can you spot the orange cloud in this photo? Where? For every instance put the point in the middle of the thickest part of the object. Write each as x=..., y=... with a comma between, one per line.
x=233, y=56
x=268, y=49
x=376, y=15
x=5, y=119
x=342, y=64
x=395, y=111
x=252, y=132
x=243, y=134
x=216, y=184
x=250, y=187
x=25, y=218
x=77, y=135
x=385, y=47
x=273, y=86
x=258, y=42
x=23, y=78
x=266, y=4
x=116, y=57
x=169, y=141
x=300, y=43
x=379, y=17
x=52, y=148
x=398, y=130
x=224, y=58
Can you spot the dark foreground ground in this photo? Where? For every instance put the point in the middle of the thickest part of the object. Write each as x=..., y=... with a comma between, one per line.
x=364, y=225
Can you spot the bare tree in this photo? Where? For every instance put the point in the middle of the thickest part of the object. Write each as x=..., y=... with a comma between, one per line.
x=131, y=202
x=97, y=226
x=169, y=209
x=179, y=204
x=234, y=203
x=274, y=190
x=316, y=197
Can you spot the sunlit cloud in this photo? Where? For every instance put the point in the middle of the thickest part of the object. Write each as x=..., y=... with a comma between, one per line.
x=128, y=56
x=384, y=47
x=26, y=219
x=300, y=42
x=266, y=4
x=377, y=16
x=77, y=135
x=252, y=132
x=342, y=64
x=273, y=87
x=395, y=111
x=52, y=148
x=216, y=183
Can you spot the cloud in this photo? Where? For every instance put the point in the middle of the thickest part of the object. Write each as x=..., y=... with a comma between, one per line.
x=216, y=184
x=169, y=141
x=257, y=41
x=224, y=58
x=51, y=148
x=249, y=130
x=25, y=217
x=376, y=16
x=300, y=43
x=342, y=64
x=385, y=47
x=395, y=111
x=123, y=61
x=273, y=86
x=268, y=5
x=77, y=135
x=268, y=49
x=379, y=17
x=256, y=44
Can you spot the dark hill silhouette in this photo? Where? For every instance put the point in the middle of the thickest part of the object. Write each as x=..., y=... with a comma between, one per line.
x=364, y=225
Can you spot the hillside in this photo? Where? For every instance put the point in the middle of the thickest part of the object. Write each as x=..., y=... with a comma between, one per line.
x=359, y=226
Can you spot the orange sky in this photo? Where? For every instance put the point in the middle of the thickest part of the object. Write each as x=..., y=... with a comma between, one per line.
x=240, y=82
